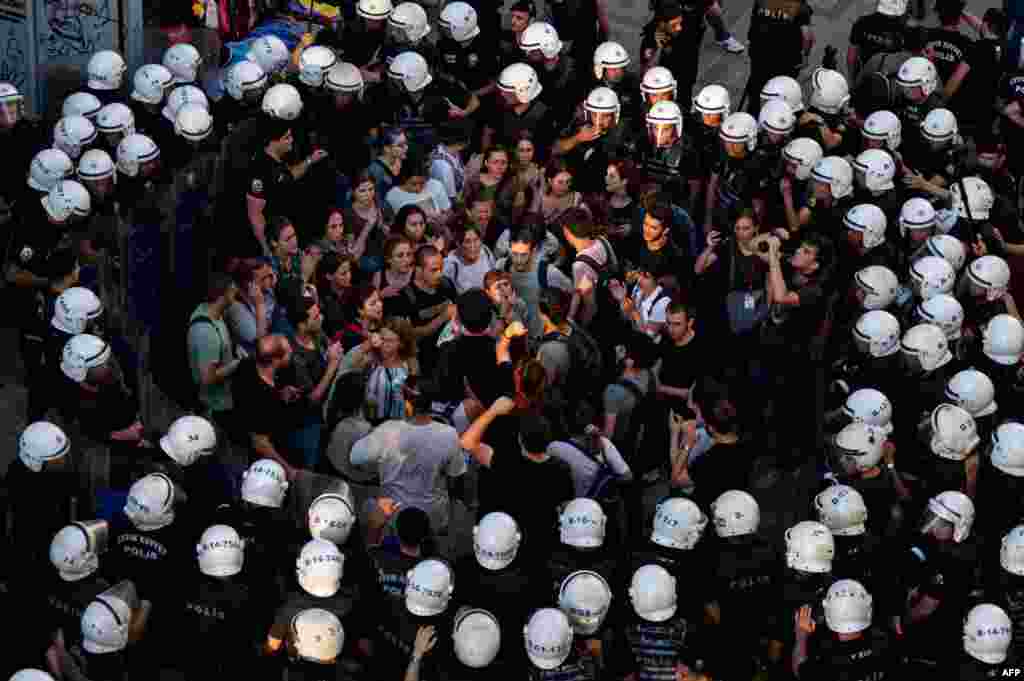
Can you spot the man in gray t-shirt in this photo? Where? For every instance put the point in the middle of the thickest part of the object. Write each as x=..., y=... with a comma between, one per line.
x=523, y=266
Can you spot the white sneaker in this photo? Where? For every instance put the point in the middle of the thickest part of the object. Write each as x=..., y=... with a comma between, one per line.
x=732, y=45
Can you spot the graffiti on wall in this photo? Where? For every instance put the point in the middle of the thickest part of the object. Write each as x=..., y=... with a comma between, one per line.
x=13, y=57
x=76, y=27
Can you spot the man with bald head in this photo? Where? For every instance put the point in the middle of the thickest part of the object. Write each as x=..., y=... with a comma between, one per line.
x=264, y=404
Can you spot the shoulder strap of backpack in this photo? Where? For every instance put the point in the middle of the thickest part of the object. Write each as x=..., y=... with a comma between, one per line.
x=542, y=273
x=633, y=388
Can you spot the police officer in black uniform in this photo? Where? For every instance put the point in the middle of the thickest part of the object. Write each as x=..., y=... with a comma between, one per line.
x=599, y=137
x=780, y=35
x=77, y=580
x=665, y=155
x=883, y=30
x=467, y=52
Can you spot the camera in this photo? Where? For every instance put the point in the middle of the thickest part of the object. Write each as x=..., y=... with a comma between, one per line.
x=763, y=247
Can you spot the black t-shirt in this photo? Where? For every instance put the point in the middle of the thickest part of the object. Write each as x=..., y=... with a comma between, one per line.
x=682, y=365
x=507, y=124
x=879, y=497
x=258, y=404
x=270, y=180
x=949, y=50
x=419, y=116
x=36, y=246
x=869, y=657
x=153, y=560
x=775, y=31
x=800, y=321
x=670, y=259
x=474, y=64
x=471, y=360
x=510, y=594
x=746, y=575
x=391, y=568
x=227, y=620
x=421, y=308
x=359, y=46
x=68, y=601
x=874, y=33
x=739, y=180
x=721, y=468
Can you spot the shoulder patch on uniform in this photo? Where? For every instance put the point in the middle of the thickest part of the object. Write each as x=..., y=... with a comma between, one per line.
x=257, y=186
x=26, y=254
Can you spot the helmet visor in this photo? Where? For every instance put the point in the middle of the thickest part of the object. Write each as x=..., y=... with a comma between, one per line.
x=936, y=526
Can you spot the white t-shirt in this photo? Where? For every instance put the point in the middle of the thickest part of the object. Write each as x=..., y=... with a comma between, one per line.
x=652, y=308
x=433, y=199
x=414, y=462
x=466, y=276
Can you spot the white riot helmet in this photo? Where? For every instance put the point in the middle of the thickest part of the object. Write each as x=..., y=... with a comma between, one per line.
x=830, y=92
x=76, y=548
x=105, y=70
x=582, y=524
x=988, y=633
x=785, y=88
x=317, y=636
x=221, y=552
x=602, y=100
x=916, y=213
x=609, y=55
x=1011, y=554
x=245, y=76
x=31, y=675
x=496, y=540
x=678, y=524
x=879, y=285
x=269, y=52
x=652, y=591
x=847, y=607
x=106, y=621
x=81, y=353
x=883, y=126
x=150, y=503
x=429, y=587
x=869, y=220
x=925, y=348
x=283, y=102
x=585, y=598
x=520, y=80
x=74, y=309
x=804, y=153
x=877, y=334
x=918, y=72
x=345, y=78
x=319, y=568
x=858, y=447
x=945, y=312
x=836, y=172
x=408, y=22
x=735, y=512
x=68, y=199
x=891, y=8
x=459, y=21
x=182, y=60
x=332, y=516
x=954, y=432
x=739, y=128
x=133, y=151
x=980, y=198
x=870, y=406
x=664, y=113
x=193, y=122
x=939, y=127
x=989, y=274
x=541, y=36
x=116, y=118
x=776, y=117
x=81, y=104
x=264, y=484
x=1007, y=449
x=49, y=167
x=72, y=134
x=411, y=71
x=314, y=63
x=476, y=637
x=713, y=100
x=658, y=80
x=182, y=95
x=548, y=637
x=973, y=391
x=40, y=443
x=949, y=248
x=955, y=508
x=374, y=10
x=1003, y=339
x=842, y=510
x=874, y=170
x=189, y=438
x=150, y=83
x=930, y=276
x=810, y=547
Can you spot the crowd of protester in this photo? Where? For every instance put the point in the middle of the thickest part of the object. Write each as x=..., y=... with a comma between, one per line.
x=416, y=267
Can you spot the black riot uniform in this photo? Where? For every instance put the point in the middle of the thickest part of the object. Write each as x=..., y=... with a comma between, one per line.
x=265, y=531
x=473, y=63
x=776, y=43
x=509, y=593
x=671, y=167
x=867, y=658
x=874, y=33
x=565, y=560
x=68, y=601
x=575, y=668
x=151, y=559
x=227, y=619
x=654, y=650
x=744, y=582
x=390, y=569
x=590, y=159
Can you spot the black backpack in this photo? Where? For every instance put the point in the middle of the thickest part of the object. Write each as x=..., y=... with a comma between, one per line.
x=585, y=379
